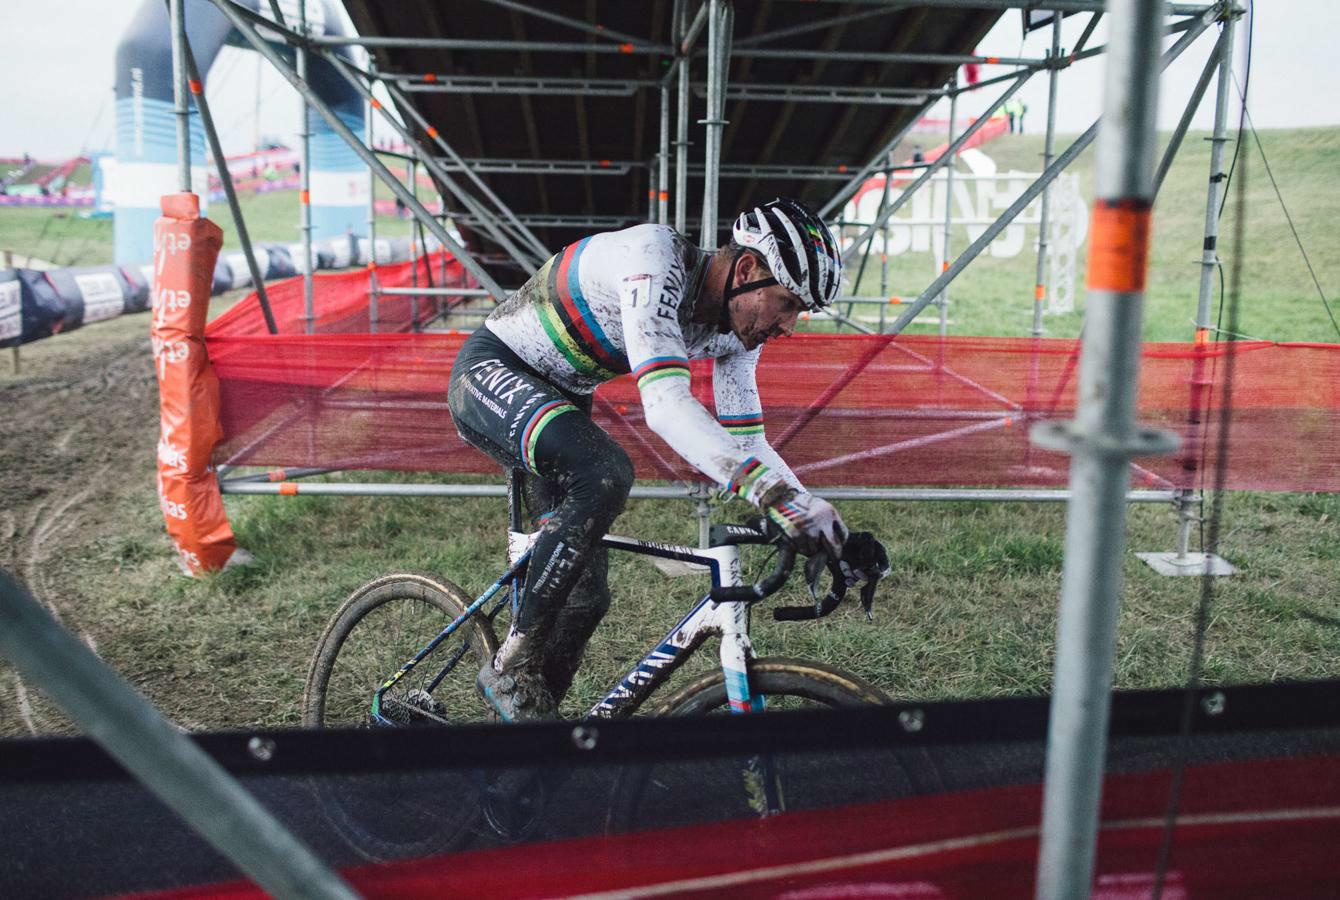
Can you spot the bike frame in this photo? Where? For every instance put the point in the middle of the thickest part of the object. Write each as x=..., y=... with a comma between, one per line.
x=707, y=618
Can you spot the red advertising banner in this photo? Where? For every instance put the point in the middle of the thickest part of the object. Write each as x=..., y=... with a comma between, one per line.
x=185, y=250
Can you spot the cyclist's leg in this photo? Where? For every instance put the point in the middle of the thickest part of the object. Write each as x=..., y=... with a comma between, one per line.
x=522, y=421
x=587, y=602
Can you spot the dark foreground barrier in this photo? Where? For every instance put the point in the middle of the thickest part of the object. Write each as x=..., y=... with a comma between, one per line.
x=926, y=800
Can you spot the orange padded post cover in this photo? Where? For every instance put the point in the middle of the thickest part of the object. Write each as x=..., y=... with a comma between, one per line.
x=186, y=248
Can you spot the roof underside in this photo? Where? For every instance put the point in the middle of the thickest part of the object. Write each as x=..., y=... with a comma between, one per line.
x=487, y=124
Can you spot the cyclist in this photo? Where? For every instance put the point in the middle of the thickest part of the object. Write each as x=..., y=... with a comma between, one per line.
x=643, y=300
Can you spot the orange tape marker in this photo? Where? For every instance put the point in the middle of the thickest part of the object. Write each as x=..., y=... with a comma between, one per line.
x=288, y=488
x=1119, y=238
x=1040, y=292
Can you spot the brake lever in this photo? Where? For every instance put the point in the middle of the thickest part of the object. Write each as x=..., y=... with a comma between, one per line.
x=814, y=567
x=868, y=598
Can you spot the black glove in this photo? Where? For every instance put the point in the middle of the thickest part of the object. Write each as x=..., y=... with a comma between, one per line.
x=864, y=561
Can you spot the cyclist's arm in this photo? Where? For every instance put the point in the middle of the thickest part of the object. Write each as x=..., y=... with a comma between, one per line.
x=740, y=410
x=659, y=360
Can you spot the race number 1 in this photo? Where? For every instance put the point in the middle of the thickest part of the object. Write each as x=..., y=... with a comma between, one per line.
x=635, y=291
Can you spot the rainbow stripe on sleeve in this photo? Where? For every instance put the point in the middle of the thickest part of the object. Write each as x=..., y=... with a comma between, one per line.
x=530, y=435
x=748, y=472
x=787, y=515
x=568, y=320
x=659, y=367
x=742, y=425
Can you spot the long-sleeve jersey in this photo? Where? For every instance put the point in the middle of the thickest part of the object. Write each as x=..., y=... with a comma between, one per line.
x=624, y=301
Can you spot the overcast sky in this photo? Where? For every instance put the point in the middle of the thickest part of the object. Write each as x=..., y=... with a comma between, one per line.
x=58, y=66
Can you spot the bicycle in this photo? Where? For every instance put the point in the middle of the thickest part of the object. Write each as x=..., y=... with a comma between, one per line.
x=360, y=676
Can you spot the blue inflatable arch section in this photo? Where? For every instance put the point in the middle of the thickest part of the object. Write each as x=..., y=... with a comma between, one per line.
x=146, y=136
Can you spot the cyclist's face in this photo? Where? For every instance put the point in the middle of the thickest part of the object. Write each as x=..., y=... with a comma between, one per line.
x=768, y=312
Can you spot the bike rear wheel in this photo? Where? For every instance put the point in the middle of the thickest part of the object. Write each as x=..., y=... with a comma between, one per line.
x=381, y=626
x=377, y=630
x=672, y=794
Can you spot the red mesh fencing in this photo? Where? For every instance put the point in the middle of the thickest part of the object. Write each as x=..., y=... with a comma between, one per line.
x=842, y=409
x=340, y=300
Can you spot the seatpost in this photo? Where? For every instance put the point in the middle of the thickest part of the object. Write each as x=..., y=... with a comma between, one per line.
x=514, y=481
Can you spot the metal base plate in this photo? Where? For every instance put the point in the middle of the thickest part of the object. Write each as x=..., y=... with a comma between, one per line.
x=1191, y=564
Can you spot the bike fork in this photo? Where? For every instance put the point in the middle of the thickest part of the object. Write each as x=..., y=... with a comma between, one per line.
x=760, y=772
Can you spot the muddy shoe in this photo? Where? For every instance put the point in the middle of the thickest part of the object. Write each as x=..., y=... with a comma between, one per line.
x=515, y=695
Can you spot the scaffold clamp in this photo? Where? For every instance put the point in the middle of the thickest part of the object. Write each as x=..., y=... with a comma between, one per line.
x=1067, y=436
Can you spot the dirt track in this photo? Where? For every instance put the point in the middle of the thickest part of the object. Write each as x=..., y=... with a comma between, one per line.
x=79, y=431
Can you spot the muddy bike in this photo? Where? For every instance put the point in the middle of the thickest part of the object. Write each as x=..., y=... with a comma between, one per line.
x=404, y=651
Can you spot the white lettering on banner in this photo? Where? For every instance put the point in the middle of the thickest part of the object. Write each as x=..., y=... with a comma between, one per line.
x=171, y=351
x=167, y=243
x=167, y=300
x=11, y=310
x=102, y=295
x=172, y=242
x=188, y=556
x=171, y=456
x=172, y=509
x=980, y=195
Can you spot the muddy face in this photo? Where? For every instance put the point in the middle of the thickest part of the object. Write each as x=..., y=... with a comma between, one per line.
x=765, y=314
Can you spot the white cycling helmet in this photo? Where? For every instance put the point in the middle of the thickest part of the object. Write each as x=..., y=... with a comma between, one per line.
x=800, y=250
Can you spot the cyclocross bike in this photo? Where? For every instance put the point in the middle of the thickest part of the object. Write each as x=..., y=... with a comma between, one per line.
x=404, y=650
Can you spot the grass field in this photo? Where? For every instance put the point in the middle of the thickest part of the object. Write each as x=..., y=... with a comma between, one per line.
x=968, y=611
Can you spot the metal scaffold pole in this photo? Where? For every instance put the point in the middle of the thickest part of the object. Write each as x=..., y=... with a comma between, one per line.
x=950, y=152
x=373, y=287
x=1028, y=196
x=1188, y=502
x=943, y=300
x=305, y=191
x=490, y=223
x=509, y=218
x=1048, y=146
x=663, y=161
x=1102, y=439
x=239, y=20
x=1209, y=260
x=229, y=191
x=180, y=96
x=155, y=752
x=684, y=66
x=721, y=18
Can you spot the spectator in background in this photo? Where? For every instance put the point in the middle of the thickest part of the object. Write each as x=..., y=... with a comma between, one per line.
x=1023, y=109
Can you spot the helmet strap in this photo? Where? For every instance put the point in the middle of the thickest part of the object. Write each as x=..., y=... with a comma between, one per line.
x=723, y=323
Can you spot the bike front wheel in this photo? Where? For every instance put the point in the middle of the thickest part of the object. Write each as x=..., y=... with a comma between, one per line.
x=670, y=794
